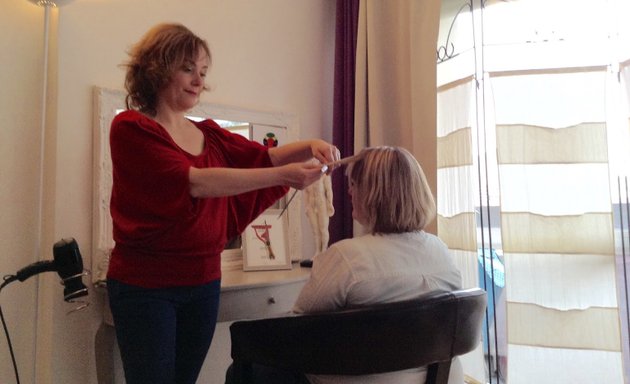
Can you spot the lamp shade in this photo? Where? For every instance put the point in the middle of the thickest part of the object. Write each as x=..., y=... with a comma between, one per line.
x=53, y=3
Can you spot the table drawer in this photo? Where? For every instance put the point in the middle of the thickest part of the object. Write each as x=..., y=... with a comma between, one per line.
x=257, y=302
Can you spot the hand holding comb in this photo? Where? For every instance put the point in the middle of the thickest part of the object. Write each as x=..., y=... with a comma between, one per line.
x=325, y=168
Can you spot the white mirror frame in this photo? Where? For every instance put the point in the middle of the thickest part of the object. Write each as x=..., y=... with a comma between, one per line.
x=106, y=103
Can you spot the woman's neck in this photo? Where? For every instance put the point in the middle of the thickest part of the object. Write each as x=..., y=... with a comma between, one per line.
x=170, y=119
x=183, y=132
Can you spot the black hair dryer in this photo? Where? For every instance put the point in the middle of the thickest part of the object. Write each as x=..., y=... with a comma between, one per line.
x=67, y=262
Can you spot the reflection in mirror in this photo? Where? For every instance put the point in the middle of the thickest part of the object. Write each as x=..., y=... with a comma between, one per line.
x=267, y=128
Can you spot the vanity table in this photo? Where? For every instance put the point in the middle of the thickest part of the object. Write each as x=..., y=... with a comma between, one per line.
x=256, y=294
x=244, y=295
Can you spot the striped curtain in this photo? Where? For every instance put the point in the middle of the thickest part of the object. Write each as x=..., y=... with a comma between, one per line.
x=457, y=175
x=557, y=228
x=619, y=142
x=456, y=178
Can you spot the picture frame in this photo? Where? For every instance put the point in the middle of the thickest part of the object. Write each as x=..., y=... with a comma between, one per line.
x=265, y=245
x=268, y=135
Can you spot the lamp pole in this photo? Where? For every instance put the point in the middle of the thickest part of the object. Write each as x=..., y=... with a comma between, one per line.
x=43, y=328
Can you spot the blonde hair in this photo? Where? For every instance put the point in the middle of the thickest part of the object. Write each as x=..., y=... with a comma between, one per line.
x=392, y=190
x=154, y=59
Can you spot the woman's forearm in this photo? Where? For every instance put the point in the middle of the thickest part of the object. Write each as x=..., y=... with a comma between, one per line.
x=297, y=151
x=290, y=168
x=217, y=182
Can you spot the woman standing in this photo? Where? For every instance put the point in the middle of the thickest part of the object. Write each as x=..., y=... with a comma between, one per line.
x=181, y=190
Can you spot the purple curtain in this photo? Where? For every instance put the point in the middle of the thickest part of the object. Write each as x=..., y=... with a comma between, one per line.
x=343, y=112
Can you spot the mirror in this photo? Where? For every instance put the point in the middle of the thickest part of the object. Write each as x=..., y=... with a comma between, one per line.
x=255, y=125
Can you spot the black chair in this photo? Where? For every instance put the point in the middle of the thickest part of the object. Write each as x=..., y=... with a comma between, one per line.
x=427, y=331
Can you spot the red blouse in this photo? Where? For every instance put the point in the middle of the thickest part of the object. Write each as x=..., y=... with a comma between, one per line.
x=164, y=237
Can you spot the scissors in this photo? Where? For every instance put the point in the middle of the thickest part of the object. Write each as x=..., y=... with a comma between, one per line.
x=325, y=168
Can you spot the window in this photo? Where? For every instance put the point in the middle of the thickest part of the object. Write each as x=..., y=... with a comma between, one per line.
x=533, y=137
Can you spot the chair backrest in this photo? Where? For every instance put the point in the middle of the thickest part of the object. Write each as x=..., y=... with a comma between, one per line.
x=427, y=331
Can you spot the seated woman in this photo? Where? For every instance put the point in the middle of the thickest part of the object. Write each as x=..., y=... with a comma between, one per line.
x=395, y=260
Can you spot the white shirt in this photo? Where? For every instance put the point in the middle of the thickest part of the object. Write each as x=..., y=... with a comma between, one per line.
x=374, y=269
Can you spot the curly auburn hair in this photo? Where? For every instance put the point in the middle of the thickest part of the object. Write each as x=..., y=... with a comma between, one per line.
x=154, y=59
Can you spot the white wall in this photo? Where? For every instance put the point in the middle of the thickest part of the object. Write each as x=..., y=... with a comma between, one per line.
x=20, y=105
x=274, y=55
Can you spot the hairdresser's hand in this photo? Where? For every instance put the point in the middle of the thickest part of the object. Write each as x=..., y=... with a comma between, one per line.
x=325, y=152
x=300, y=175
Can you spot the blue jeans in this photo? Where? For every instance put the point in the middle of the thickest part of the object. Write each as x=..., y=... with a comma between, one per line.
x=163, y=334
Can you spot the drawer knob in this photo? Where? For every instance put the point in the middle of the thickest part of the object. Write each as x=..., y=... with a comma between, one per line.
x=271, y=300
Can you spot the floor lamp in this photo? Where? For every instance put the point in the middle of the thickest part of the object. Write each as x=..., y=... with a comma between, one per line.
x=47, y=4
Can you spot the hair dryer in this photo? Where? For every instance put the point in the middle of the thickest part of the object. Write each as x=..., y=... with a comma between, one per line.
x=67, y=262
